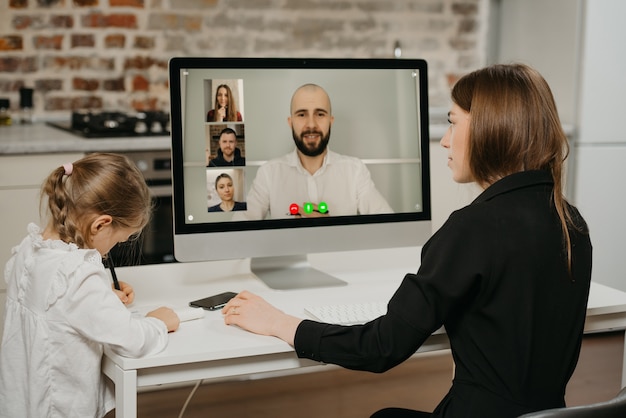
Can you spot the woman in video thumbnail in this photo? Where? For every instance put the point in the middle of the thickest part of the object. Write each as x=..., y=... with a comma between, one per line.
x=224, y=108
x=226, y=190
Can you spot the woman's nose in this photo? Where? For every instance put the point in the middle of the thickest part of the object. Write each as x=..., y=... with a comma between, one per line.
x=445, y=141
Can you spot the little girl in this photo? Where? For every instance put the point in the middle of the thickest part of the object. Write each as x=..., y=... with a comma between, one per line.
x=60, y=310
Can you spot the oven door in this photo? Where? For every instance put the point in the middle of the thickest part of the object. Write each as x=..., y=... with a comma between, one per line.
x=156, y=242
x=157, y=238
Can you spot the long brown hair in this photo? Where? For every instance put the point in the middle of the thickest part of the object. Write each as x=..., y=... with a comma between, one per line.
x=231, y=109
x=515, y=126
x=100, y=183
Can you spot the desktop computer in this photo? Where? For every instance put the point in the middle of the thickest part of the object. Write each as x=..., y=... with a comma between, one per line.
x=380, y=127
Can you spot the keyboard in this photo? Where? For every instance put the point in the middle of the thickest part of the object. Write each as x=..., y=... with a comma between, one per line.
x=347, y=314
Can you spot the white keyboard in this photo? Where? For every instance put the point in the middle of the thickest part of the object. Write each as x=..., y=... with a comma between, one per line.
x=347, y=314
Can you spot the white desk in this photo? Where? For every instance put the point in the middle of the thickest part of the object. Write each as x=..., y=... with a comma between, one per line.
x=208, y=349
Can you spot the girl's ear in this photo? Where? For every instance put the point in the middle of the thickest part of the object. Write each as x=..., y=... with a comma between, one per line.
x=99, y=223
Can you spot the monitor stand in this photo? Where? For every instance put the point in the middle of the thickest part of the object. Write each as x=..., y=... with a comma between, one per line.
x=291, y=272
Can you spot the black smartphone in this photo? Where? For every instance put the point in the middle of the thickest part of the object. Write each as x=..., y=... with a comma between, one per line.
x=213, y=303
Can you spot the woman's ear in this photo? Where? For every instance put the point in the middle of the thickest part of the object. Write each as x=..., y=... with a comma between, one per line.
x=99, y=223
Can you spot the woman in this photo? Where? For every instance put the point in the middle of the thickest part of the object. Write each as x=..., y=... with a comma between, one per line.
x=224, y=108
x=226, y=190
x=508, y=276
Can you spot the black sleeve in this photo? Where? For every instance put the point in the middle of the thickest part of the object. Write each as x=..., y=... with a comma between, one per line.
x=421, y=305
x=376, y=346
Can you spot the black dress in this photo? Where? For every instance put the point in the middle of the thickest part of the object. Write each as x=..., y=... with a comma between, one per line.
x=495, y=275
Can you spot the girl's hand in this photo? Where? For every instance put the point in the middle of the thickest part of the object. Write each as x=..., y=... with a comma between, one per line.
x=126, y=293
x=168, y=316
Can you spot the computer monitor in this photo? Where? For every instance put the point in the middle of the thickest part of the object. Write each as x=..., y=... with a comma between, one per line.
x=380, y=111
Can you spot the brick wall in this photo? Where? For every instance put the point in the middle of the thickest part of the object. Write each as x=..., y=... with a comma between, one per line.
x=113, y=54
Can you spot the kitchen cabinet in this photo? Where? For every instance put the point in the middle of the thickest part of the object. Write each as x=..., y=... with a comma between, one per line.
x=602, y=72
x=600, y=151
x=600, y=197
x=545, y=35
x=582, y=61
x=21, y=177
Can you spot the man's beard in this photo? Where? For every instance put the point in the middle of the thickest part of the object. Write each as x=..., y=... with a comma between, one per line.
x=311, y=151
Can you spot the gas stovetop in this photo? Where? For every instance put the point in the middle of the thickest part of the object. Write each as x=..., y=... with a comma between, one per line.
x=91, y=124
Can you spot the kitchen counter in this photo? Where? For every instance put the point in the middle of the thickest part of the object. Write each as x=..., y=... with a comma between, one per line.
x=40, y=138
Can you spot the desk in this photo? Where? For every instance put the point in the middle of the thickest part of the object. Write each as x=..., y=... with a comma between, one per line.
x=208, y=349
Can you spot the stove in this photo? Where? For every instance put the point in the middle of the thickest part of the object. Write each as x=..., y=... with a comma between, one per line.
x=92, y=124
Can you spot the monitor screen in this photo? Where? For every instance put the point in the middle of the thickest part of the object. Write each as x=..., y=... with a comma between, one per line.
x=277, y=158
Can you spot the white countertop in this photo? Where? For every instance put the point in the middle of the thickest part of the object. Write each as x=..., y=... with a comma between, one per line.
x=371, y=275
x=40, y=138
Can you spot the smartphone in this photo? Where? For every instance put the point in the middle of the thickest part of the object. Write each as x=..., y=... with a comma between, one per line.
x=213, y=303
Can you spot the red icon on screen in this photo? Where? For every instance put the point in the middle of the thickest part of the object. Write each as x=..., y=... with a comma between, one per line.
x=294, y=209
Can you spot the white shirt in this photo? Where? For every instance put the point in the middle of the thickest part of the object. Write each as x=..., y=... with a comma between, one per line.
x=60, y=312
x=343, y=182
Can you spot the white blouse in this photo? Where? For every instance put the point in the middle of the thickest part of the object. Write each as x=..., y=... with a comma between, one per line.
x=60, y=313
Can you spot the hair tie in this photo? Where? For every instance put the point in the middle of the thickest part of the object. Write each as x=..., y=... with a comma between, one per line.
x=69, y=167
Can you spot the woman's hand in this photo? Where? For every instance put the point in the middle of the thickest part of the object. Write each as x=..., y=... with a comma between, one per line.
x=126, y=293
x=254, y=314
x=168, y=316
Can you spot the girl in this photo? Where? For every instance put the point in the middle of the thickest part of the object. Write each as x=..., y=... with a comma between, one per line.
x=508, y=276
x=60, y=310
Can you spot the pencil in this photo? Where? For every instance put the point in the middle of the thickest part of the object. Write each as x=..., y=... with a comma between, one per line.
x=116, y=283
